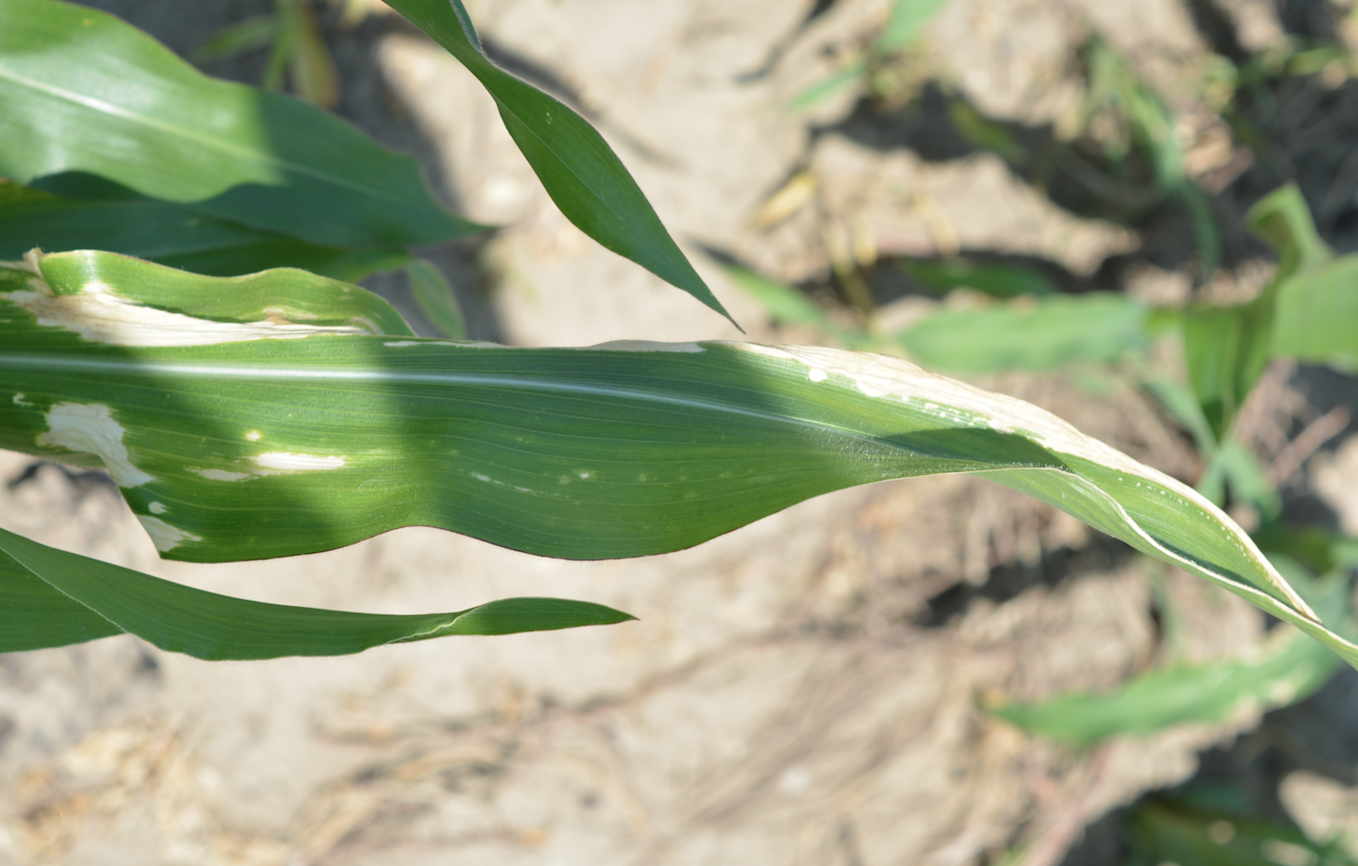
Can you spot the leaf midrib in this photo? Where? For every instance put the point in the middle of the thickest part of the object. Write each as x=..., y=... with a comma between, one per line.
x=216, y=144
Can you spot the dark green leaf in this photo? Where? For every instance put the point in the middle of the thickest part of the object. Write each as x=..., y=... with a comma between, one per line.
x=236, y=432
x=52, y=598
x=83, y=91
x=995, y=279
x=578, y=169
x=170, y=234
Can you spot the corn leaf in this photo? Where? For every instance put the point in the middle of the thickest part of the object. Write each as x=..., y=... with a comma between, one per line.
x=242, y=431
x=49, y=597
x=170, y=234
x=1034, y=335
x=435, y=298
x=997, y=279
x=1286, y=667
x=1316, y=316
x=578, y=169
x=908, y=18
x=81, y=90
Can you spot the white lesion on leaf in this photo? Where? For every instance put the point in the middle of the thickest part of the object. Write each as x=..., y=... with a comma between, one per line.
x=272, y=463
x=99, y=314
x=90, y=429
x=277, y=461
x=164, y=536
x=644, y=346
x=221, y=474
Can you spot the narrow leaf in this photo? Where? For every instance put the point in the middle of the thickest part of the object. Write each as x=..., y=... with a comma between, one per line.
x=1227, y=349
x=81, y=90
x=49, y=598
x=436, y=299
x=170, y=234
x=1286, y=668
x=1283, y=221
x=997, y=279
x=578, y=169
x=258, y=439
x=248, y=35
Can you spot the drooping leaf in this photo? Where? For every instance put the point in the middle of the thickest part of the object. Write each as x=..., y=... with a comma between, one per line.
x=252, y=438
x=578, y=169
x=81, y=90
x=1283, y=221
x=50, y=598
x=169, y=234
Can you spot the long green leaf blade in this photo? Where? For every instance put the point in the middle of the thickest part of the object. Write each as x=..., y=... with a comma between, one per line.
x=81, y=90
x=49, y=597
x=578, y=169
x=170, y=234
x=258, y=439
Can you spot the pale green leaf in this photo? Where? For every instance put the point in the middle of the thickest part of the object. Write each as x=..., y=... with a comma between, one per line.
x=1287, y=667
x=244, y=438
x=908, y=18
x=81, y=90
x=1033, y=334
x=1316, y=313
